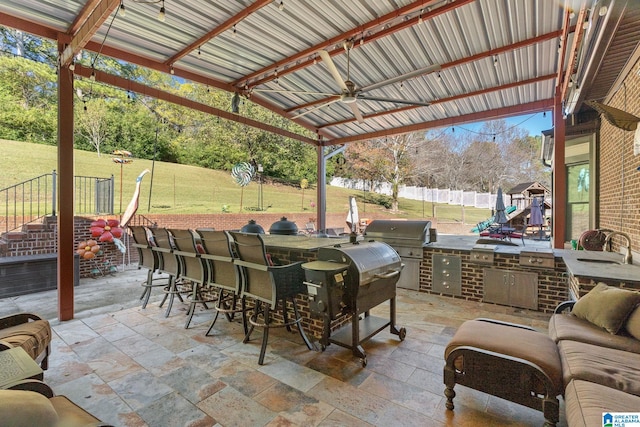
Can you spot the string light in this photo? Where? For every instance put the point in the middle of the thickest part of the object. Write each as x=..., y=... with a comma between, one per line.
x=401, y=85
x=92, y=77
x=162, y=13
x=199, y=51
x=420, y=20
x=171, y=70
x=72, y=66
x=122, y=11
x=281, y=6
x=233, y=31
x=495, y=60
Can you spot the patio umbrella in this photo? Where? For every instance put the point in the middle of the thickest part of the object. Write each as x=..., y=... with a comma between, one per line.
x=352, y=217
x=536, y=215
x=500, y=217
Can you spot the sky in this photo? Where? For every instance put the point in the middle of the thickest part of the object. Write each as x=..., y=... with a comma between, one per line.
x=534, y=123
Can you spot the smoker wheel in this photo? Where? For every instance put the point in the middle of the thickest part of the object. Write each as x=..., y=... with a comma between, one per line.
x=402, y=334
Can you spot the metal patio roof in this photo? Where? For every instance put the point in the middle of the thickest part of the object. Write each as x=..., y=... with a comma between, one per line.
x=472, y=60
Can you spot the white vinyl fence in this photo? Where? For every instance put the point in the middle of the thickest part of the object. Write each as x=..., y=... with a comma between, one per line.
x=437, y=195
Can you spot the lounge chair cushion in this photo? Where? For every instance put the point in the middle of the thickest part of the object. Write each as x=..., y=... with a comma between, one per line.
x=606, y=306
x=566, y=326
x=70, y=414
x=612, y=368
x=21, y=408
x=585, y=402
x=525, y=344
x=33, y=337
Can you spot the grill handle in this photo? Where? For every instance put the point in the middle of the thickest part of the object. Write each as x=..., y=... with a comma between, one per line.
x=387, y=275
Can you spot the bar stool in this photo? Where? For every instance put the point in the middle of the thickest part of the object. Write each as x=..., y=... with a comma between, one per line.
x=194, y=269
x=269, y=286
x=224, y=275
x=148, y=259
x=171, y=264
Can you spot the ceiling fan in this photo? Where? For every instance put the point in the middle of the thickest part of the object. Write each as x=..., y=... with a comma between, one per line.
x=349, y=93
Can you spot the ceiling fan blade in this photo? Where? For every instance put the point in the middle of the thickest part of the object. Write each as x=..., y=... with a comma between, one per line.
x=425, y=70
x=326, y=58
x=317, y=107
x=295, y=92
x=356, y=111
x=396, y=101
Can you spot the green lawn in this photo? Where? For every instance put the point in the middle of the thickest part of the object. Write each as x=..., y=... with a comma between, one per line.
x=189, y=189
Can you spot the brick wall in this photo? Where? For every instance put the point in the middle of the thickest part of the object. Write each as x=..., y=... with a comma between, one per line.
x=619, y=186
x=552, y=283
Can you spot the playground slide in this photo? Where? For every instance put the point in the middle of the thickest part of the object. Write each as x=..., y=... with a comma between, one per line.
x=483, y=225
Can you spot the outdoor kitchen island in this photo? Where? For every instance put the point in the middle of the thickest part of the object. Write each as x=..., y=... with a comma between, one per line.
x=517, y=276
x=332, y=315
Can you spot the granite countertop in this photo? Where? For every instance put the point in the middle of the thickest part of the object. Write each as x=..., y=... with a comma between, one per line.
x=302, y=242
x=600, y=269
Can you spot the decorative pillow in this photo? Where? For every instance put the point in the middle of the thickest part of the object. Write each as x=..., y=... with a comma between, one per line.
x=633, y=323
x=606, y=306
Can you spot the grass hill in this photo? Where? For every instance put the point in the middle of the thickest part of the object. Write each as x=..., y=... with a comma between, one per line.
x=189, y=189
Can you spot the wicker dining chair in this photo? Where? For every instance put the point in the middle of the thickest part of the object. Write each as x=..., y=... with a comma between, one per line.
x=223, y=275
x=270, y=286
x=194, y=269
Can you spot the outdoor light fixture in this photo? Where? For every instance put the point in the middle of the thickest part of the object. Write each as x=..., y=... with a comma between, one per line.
x=162, y=14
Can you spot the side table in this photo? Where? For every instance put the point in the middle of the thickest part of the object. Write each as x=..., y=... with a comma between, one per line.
x=15, y=366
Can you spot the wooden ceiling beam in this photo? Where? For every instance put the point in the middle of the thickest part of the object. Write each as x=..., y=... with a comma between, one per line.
x=451, y=98
x=93, y=15
x=573, y=52
x=498, y=113
x=145, y=90
x=461, y=61
x=303, y=57
x=229, y=23
x=28, y=26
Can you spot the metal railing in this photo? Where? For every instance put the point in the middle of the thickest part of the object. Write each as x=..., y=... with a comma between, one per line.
x=31, y=200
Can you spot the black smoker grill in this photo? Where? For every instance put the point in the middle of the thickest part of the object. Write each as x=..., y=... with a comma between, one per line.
x=351, y=279
x=407, y=238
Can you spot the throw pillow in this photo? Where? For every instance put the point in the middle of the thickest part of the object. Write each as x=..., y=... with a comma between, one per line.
x=633, y=323
x=606, y=306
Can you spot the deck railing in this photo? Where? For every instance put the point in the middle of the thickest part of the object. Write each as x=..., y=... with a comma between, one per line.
x=33, y=199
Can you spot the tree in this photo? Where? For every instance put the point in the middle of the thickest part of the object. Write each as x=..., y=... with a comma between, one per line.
x=387, y=160
x=92, y=124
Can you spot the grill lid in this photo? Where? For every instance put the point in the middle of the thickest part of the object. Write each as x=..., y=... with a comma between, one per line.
x=367, y=260
x=400, y=232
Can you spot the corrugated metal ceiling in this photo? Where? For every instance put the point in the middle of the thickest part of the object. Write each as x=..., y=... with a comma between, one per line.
x=482, y=59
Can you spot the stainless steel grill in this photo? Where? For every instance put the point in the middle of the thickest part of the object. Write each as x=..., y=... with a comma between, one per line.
x=407, y=238
x=351, y=279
